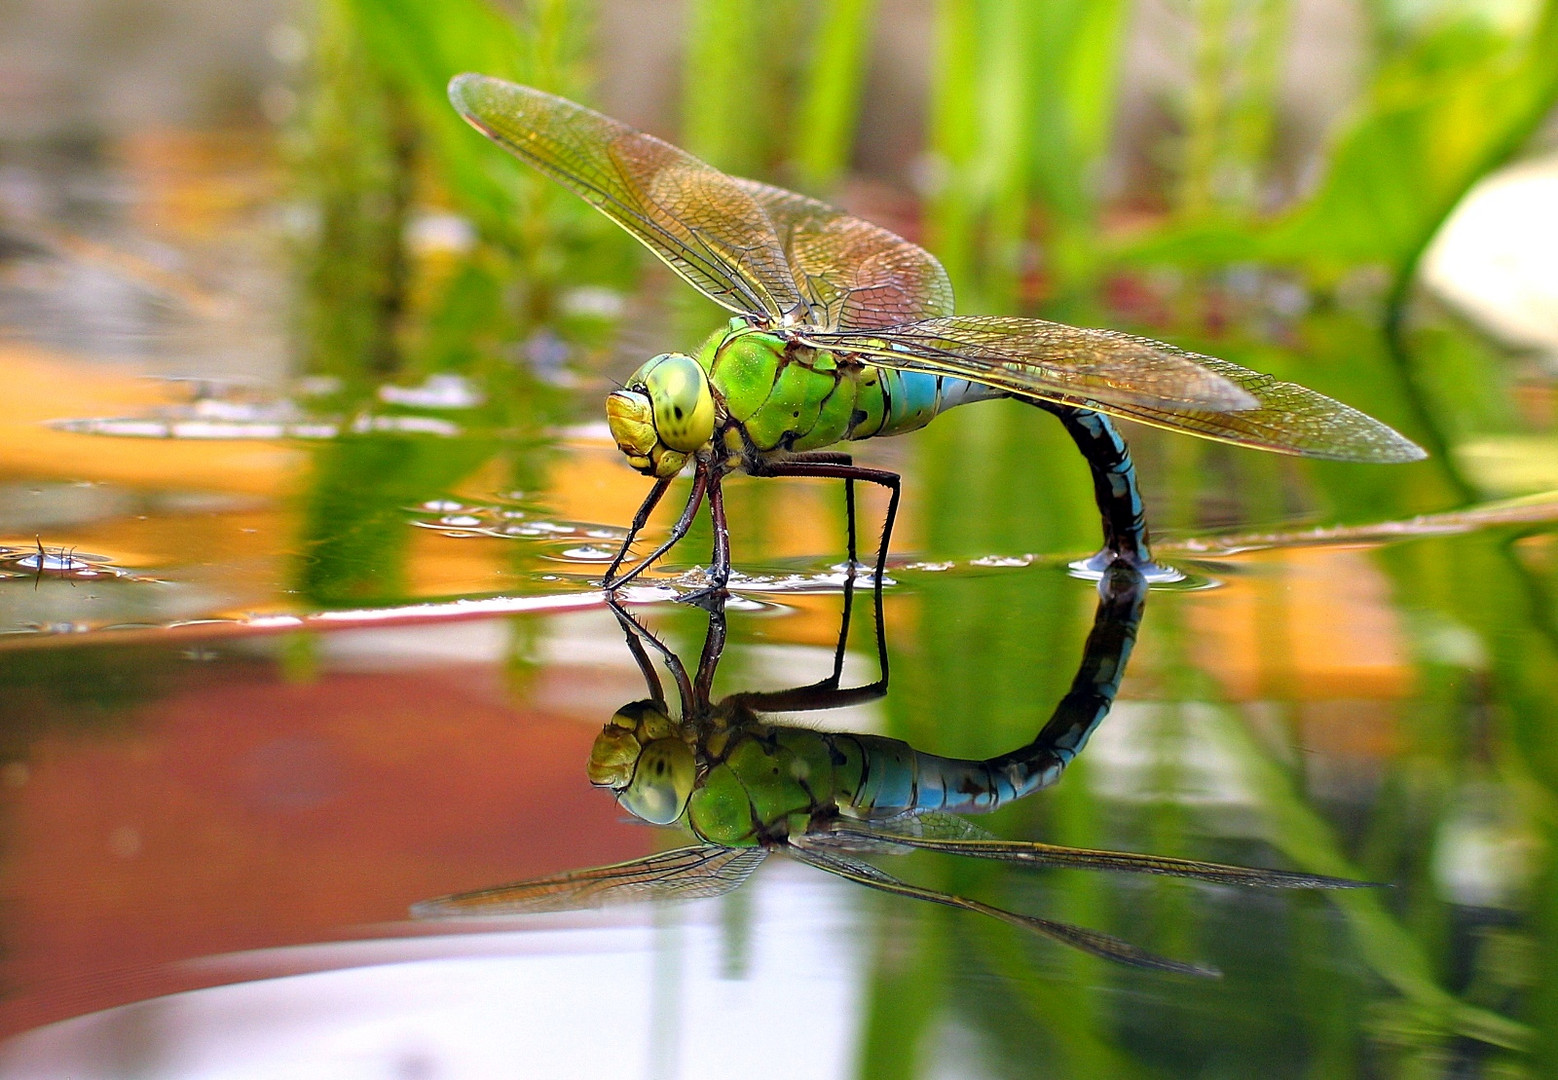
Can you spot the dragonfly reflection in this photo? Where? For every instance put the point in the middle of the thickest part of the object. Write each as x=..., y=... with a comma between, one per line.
x=744, y=788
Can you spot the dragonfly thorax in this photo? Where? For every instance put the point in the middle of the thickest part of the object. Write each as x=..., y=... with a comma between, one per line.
x=663, y=415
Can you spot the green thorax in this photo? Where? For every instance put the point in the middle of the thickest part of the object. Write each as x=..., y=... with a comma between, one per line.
x=782, y=396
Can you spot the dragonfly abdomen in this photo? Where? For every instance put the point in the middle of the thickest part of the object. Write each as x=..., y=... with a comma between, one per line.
x=894, y=778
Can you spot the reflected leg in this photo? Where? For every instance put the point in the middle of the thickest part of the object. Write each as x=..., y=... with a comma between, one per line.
x=637, y=637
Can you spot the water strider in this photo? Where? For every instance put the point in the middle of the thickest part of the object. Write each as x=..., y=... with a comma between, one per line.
x=743, y=788
x=845, y=331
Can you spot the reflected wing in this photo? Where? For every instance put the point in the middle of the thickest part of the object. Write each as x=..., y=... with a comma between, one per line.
x=703, y=224
x=689, y=873
x=1133, y=377
x=853, y=274
x=954, y=836
x=1089, y=941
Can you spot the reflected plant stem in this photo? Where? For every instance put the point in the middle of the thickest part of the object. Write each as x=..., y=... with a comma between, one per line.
x=1384, y=944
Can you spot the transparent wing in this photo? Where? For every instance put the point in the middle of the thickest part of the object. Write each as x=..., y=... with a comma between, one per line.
x=1133, y=377
x=1288, y=419
x=703, y=224
x=854, y=275
x=955, y=836
x=1046, y=360
x=1089, y=941
x=689, y=873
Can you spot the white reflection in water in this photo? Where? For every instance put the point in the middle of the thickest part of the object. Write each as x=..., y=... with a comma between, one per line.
x=1126, y=756
x=581, y=1001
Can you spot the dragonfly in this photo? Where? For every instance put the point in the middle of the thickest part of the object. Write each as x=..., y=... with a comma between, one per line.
x=745, y=788
x=842, y=330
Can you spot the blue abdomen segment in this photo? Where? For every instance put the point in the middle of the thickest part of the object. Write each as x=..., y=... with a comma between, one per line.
x=915, y=398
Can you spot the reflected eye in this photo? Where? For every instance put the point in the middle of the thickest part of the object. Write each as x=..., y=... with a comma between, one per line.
x=662, y=783
x=683, y=406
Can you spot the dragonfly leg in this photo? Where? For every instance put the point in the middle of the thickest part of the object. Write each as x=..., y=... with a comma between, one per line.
x=811, y=466
x=1114, y=486
x=640, y=519
x=719, y=568
x=638, y=637
x=700, y=484
x=836, y=457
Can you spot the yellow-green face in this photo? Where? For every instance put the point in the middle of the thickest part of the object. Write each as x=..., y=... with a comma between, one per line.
x=663, y=416
x=640, y=756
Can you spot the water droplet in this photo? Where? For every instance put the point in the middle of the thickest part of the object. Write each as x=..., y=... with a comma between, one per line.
x=588, y=554
x=1002, y=560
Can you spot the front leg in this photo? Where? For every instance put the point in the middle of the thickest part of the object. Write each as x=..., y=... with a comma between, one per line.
x=700, y=483
x=640, y=519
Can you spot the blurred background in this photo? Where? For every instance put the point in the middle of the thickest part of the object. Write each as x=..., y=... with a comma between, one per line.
x=291, y=352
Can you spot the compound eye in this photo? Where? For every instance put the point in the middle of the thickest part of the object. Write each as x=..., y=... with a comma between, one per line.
x=662, y=782
x=683, y=405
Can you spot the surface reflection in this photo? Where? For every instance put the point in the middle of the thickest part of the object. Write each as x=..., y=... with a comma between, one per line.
x=744, y=787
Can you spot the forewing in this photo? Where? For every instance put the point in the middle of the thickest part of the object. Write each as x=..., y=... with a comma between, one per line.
x=702, y=223
x=1051, y=361
x=1288, y=419
x=853, y=275
x=1134, y=377
x=688, y=873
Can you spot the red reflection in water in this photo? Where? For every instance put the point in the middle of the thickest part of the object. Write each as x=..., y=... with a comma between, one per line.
x=242, y=811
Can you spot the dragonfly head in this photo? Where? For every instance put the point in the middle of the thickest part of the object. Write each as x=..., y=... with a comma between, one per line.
x=663, y=415
x=640, y=756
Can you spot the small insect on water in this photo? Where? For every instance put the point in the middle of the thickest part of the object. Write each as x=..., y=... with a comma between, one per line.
x=843, y=331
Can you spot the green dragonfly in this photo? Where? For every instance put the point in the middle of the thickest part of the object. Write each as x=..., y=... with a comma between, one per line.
x=745, y=788
x=845, y=331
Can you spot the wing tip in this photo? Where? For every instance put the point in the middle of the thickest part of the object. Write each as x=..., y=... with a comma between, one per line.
x=1392, y=448
x=462, y=89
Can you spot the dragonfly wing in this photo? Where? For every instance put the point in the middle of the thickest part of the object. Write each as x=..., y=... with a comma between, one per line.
x=953, y=836
x=1089, y=941
x=853, y=274
x=702, y=223
x=688, y=873
x=1288, y=419
x=1134, y=377
x=1067, y=364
